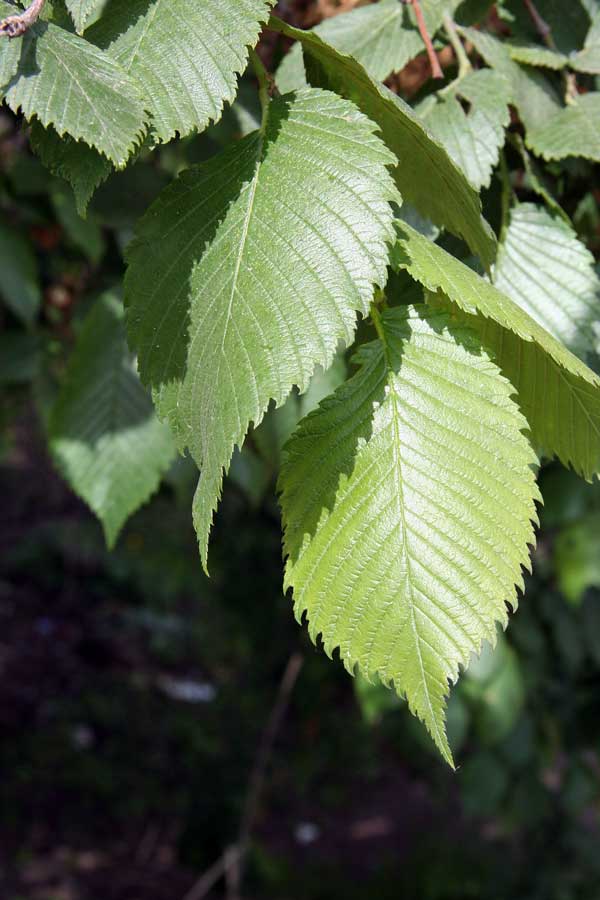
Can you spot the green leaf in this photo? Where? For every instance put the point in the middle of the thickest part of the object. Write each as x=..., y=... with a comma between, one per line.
x=473, y=139
x=577, y=557
x=534, y=55
x=558, y=393
x=544, y=267
x=407, y=539
x=574, y=131
x=248, y=270
x=81, y=11
x=186, y=54
x=70, y=84
x=19, y=278
x=382, y=37
x=588, y=59
x=532, y=93
x=104, y=435
x=83, y=167
x=426, y=176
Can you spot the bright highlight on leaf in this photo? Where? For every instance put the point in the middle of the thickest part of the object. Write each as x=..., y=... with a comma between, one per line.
x=248, y=270
x=409, y=539
x=545, y=268
x=104, y=434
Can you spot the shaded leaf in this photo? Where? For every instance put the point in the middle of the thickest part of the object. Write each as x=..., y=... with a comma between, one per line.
x=574, y=131
x=19, y=278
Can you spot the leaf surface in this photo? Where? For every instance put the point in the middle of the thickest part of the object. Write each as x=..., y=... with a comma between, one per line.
x=382, y=37
x=426, y=176
x=104, y=434
x=558, y=393
x=186, y=54
x=75, y=87
x=544, y=267
x=408, y=501
x=574, y=131
x=248, y=270
x=81, y=11
x=19, y=277
x=473, y=139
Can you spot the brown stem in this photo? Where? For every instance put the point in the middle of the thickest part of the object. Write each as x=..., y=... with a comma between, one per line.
x=436, y=69
x=543, y=29
x=15, y=26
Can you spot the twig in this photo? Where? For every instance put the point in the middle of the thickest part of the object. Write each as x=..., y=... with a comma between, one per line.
x=543, y=29
x=231, y=863
x=436, y=69
x=15, y=26
x=464, y=63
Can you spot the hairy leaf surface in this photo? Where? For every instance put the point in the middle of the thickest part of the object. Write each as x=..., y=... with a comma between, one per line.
x=104, y=434
x=408, y=501
x=186, y=54
x=544, y=267
x=425, y=174
x=248, y=270
x=75, y=87
x=558, y=393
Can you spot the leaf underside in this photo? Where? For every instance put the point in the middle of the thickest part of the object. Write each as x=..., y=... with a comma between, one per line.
x=248, y=270
x=408, y=501
x=104, y=434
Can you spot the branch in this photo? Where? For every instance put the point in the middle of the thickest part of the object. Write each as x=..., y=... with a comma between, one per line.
x=15, y=26
x=436, y=69
x=543, y=29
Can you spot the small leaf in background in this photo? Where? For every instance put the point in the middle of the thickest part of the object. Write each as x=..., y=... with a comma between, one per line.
x=573, y=131
x=473, y=139
x=19, y=277
x=544, y=267
x=494, y=686
x=577, y=557
x=383, y=37
x=104, y=434
x=395, y=553
x=86, y=234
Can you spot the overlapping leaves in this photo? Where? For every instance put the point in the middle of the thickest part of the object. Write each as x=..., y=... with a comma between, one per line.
x=248, y=270
x=408, y=501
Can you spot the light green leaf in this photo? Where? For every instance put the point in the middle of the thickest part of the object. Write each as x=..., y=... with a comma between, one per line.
x=248, y=270
x=532, y=93
x=81, y=11
x=473, y=139
x=574, y=131
x=588, y=59
x=425, y=174
x=407, y=540
x=544, y=267
x=82, y=166
x=70, y=84
x=186, y=54
x=19, y=278
x=382, y=37
x=558, y=393
x=104, y=435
